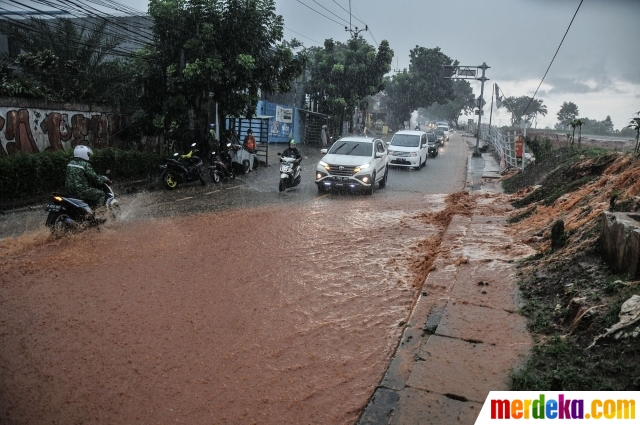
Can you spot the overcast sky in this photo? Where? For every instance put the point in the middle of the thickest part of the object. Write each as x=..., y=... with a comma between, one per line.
x=597, y=67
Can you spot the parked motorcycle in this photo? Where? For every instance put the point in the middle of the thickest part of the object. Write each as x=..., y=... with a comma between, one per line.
x=290, y=172
x=221, y=165
x=182, y=169
x=68, y=213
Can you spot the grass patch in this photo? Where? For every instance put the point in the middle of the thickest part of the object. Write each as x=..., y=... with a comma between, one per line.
x=522, y=215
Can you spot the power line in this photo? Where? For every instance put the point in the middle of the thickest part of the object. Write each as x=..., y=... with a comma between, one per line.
x=301, y=35
x=329, y=11
x=347, y=11
x=332, y=20
x=554, y=56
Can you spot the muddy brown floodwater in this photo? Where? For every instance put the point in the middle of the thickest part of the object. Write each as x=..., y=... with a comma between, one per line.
x=270, y=315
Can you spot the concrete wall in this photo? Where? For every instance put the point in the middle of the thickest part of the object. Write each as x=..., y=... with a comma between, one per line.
x=35, y=126
x=620, y=242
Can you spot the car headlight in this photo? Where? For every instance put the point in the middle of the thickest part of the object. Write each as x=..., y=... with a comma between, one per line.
x=324, y=165
x=414, y=153
x=390, y=152
x=361, y=167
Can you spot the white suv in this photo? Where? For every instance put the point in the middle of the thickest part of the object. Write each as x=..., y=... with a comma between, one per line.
x=353, y=163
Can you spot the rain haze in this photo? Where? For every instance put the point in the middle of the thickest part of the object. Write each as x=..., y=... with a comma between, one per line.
x=597, y=67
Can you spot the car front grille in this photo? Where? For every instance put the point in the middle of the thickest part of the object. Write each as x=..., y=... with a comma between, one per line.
x=398, y=154
x=341, y=170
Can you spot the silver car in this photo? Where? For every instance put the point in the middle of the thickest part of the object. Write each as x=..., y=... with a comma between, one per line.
x=353, y=163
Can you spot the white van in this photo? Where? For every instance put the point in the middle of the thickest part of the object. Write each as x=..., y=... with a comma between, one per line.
x=408, y=148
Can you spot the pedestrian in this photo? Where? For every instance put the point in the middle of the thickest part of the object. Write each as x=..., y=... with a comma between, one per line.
x=249, y=141
x=324, y=137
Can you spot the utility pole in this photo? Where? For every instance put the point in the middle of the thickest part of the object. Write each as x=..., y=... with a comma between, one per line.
x=356, y=31
x=451, y=72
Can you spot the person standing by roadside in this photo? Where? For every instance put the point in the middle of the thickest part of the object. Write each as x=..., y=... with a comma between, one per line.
x=249, y=141
x=324, y=137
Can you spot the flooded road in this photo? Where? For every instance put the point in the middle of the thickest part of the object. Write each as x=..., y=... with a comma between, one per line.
x=285, y=311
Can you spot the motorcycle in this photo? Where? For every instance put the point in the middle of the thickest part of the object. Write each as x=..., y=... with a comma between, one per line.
x=182, y=169
x=221, y=165
x=68, y=213
x=290, y=172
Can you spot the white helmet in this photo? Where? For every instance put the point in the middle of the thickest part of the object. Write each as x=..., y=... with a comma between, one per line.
x=82, y=151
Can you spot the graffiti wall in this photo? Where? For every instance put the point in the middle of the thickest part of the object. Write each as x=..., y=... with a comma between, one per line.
x=37, y=130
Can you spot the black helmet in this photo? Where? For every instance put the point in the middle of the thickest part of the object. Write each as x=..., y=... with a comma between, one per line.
x=249, y=131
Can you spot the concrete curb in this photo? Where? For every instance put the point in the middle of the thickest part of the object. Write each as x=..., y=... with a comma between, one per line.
x=463, y=335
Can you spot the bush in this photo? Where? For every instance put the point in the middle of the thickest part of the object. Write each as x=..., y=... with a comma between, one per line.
x=541, y=147
x=25, y=176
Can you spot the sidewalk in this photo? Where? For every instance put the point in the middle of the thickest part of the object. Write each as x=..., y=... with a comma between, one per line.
x=464, y=334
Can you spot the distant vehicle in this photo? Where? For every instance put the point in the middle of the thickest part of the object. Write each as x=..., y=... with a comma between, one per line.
x=353, y=163
x=445, y=129
x=409, y=149
x=432, y=141
x=442, y=123
x=440, y=136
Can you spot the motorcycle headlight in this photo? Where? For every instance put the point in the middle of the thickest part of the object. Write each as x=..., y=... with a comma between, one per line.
x=362, y=167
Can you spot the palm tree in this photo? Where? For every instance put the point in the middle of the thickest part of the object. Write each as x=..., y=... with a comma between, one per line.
x=579, y=123
x=573, y=124
x=634, y=123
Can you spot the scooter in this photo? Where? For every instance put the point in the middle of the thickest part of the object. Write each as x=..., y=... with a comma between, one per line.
x=290, y=172
x=221, y=165
x=182, y=169
x=69, y=214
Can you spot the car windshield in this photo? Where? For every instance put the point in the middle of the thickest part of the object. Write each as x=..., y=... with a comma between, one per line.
x=352, y=148
x=407, y=140
x=431, y=137
x=443, y=128
x=440, y=132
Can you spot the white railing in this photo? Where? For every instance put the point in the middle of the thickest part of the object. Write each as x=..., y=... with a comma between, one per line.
x=503, y=144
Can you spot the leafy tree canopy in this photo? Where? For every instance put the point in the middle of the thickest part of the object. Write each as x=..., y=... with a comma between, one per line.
x=342, y=74
x=63, y=60
x=463, y=102
x=421, y=85
x=517, y=106
x=567, y=113
x=226, y=49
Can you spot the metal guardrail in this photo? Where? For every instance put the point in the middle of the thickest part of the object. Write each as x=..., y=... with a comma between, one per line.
x=503, y=144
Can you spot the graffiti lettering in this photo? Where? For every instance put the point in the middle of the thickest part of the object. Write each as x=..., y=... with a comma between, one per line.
x=57, y=128
x=18, y=133
x=27, y=131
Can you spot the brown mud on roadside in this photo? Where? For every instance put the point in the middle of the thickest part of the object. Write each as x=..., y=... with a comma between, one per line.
x=285, y=314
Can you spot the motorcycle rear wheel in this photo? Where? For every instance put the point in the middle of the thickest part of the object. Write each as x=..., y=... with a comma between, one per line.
x=246, y=166
x=215, y=177
x=169, y=180
x=59, y=226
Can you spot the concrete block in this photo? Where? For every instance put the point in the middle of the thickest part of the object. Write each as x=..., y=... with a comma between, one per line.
x=620, y=242
x=425, y=408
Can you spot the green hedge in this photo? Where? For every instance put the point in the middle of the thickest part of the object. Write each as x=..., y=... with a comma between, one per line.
x=25, y=176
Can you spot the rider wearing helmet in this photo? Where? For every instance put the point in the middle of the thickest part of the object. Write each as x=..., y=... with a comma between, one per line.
x=292, y=151
x=81, y=180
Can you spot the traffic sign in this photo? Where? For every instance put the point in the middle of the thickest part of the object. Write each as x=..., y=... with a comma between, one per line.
x=479, y=112
x=480, y=102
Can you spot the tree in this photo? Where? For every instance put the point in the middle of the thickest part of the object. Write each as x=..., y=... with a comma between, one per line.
x=463, y=102
x=342, y=74
x=634, y=124
x=421, y=85
x=567, y=113
x=400, y=96
x=517, y=106
x=223, y=51
x=66, y=60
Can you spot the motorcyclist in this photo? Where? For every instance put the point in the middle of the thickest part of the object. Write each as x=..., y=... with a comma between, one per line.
x=293, y=152
x=81, y=180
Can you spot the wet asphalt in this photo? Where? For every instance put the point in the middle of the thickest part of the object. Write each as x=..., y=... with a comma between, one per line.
x=443, y=174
